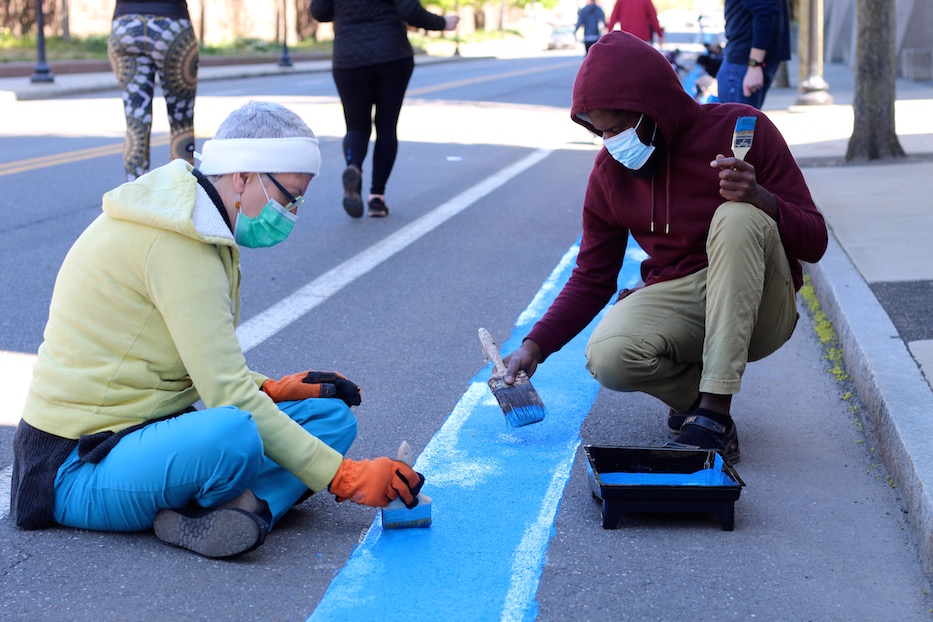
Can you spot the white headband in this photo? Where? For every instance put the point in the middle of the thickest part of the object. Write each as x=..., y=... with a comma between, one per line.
x=260, y=155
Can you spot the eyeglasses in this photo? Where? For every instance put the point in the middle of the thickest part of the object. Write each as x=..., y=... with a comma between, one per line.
x=293, y=201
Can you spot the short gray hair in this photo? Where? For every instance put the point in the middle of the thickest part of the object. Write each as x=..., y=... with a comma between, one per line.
x=261, y=119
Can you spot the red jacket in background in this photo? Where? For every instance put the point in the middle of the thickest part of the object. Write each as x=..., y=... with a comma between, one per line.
x=637, y=17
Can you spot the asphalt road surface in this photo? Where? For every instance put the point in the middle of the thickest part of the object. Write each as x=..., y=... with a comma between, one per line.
x=820, y=533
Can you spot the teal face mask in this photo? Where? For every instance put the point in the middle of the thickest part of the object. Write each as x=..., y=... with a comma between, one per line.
x=271, y=226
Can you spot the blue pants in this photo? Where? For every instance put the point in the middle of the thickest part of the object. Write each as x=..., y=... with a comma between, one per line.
x=208, y=456
x=730, y=77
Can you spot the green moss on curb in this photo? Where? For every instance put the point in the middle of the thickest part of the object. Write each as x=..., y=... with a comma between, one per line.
x=825, y=333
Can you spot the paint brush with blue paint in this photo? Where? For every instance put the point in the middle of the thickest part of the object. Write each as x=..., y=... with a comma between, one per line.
x=396, y=515
x=742, y=136
x=519, y=401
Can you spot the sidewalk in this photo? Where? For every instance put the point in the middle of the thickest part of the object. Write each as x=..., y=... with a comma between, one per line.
x=880, y=216
x=880, y=221
x=22, y=89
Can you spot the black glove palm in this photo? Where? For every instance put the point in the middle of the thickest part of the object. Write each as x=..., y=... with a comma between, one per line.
x=334, y=384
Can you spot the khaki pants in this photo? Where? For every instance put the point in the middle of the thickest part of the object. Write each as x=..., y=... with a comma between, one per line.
x=695, y=334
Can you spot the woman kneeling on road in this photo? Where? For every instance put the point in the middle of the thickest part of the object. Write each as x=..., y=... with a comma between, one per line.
x=142, y=325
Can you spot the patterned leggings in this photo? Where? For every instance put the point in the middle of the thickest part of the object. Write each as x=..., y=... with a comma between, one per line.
x=139, y=46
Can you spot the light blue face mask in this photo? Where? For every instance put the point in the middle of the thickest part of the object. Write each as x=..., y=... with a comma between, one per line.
x=271, y=226
x=627, y=149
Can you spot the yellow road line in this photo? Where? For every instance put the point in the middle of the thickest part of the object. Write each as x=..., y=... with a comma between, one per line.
x=479, y=79
x=31, y=164
x=21, y=166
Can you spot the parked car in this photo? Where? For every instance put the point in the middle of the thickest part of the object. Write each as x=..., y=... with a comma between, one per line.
x=562, y=37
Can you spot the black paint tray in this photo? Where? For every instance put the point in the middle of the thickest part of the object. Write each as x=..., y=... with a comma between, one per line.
x=647, y=479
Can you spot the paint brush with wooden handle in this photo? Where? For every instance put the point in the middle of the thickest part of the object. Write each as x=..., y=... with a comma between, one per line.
x=396, y=515
x=742, y=136
x=519, y=401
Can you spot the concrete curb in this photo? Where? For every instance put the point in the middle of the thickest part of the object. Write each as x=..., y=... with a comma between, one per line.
x=888, y=381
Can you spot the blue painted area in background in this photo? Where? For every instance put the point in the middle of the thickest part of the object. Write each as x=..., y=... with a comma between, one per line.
x=495, y=494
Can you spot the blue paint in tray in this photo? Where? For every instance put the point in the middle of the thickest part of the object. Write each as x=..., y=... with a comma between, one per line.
x=711, y=476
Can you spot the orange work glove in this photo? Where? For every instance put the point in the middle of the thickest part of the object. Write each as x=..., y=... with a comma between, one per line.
x=376, y=482
x=303, y=385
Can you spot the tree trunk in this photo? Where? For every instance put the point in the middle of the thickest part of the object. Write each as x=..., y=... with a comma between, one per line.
x=66, y=25
x=873, y=136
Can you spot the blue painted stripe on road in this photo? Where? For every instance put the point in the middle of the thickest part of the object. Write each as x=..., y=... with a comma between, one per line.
x=495, y=496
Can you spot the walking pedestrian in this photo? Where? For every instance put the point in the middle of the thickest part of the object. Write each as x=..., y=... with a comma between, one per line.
x=757, y=42
x=724, y=239
x=142, y=325
x=149, y=38
x=638, y=17
x=593, y=20
x=372, y=64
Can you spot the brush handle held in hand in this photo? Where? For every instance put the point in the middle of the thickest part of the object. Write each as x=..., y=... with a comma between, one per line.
x=491, y=350
x=404, y=454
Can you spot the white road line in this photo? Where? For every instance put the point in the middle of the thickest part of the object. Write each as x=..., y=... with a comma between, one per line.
x=260, y=327
x=529, y=556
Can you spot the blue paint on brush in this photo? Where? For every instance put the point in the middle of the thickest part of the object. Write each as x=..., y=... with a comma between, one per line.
x=495, y=493
x=745, y=124
x=742, y=137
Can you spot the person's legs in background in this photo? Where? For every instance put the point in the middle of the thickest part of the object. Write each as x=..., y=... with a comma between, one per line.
x=128, y=49
x=391, y=83
x=179, y=77
x=356, y=87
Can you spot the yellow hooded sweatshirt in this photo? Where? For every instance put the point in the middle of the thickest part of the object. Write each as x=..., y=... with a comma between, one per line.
x=142, y=324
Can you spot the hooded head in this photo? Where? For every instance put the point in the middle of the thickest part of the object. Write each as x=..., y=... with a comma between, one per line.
x=622, y=72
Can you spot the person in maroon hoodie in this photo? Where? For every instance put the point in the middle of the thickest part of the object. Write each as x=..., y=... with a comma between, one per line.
x=724, y=239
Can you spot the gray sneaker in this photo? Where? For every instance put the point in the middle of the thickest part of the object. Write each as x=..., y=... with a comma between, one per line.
x=220, y=532
x=352, y=187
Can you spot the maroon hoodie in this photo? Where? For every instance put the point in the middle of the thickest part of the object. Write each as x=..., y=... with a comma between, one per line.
x=669, y=213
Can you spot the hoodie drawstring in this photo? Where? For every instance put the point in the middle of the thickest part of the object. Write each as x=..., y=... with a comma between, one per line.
x=667, y=198
x=667, y=201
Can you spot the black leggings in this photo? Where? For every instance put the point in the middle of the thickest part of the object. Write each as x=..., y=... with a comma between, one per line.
x=361, y=88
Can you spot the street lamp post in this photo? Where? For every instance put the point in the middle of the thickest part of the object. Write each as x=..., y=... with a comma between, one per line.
x=814, y=90
x=285, y=60
x=457, y=32
x=42, y=72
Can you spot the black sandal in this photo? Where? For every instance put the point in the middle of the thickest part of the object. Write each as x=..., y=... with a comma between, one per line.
x=699, y=432
x=675, y=418
x=675, y=421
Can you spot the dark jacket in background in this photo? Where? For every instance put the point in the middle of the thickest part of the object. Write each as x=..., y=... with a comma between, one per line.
x=368, y=32
x=163, y=8
x=762, y=24
x=590, y=17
